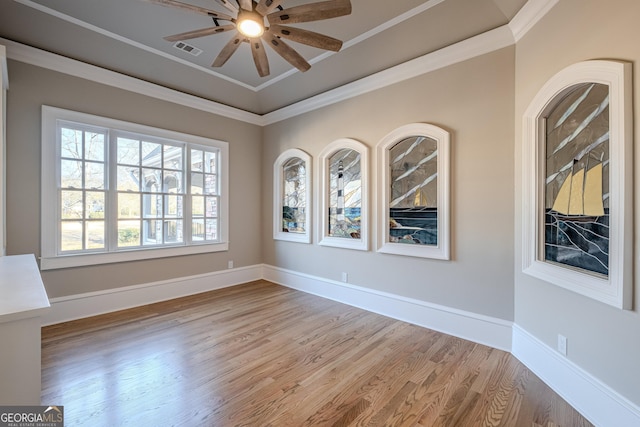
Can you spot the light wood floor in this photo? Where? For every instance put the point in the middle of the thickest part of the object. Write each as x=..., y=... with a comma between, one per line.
x=264, y=355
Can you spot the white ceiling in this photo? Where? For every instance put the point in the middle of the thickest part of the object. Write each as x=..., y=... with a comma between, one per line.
x=127, y=36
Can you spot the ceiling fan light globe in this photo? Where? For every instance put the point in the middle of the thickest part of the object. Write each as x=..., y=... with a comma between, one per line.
x=250, y=27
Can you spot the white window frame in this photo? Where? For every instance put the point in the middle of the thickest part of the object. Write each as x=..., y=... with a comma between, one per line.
x=323, y=168
x=52, y=259
x=616, y=289
x=443, y=140
x=278, y=189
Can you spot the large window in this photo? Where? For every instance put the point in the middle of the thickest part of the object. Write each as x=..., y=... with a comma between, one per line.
x=413, y=208
x=115, y=191
x=292, y=196
x=577, y=187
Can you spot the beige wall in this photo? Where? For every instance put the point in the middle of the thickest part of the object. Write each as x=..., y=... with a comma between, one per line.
x=31, y=87
x=603, y=340
x=474, y=101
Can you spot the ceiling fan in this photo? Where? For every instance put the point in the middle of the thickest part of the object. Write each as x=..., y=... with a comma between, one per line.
x=248, y=21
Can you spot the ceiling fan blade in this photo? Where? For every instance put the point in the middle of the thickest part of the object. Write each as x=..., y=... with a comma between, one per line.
x=307, y=37
x=265, y=7
x=228, y=50
x=259, y=57
x=286, y=51
x=246, y=4
x=229, y=5
x=311, y=12
x=200, y=33
x=192, y=8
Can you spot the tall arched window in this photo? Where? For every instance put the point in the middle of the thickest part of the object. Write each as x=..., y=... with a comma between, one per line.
x=576, y=177
x=413, y=214
x=344, y=212
x=292, y=196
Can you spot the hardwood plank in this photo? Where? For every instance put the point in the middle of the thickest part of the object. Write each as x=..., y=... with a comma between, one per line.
x=260, y=354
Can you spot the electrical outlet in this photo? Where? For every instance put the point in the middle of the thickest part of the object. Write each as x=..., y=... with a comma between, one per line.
x=230, y=264
x=562, y=344
x=345, y=277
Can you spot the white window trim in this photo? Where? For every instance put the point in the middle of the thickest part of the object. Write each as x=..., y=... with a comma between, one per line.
x=615, y=290
x=278, y=177
x=443, y=139
x=323, y=168
x=49, y=203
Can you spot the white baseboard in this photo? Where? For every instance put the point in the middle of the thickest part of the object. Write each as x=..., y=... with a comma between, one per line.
x=593, y=399
x=74, y=307
x=482, y=329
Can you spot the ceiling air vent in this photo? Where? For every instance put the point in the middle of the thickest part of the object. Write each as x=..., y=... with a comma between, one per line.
x=188, y=48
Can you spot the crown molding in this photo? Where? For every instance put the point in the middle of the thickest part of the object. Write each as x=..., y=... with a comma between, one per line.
x=4, y=79
x=475, y=46
x=527, y=17
x=40, y=58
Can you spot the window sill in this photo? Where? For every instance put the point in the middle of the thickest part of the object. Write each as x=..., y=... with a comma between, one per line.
x=68, y=261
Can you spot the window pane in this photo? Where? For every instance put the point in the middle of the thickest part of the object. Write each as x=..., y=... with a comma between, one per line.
x=196, y=183
x=173, y=182
x=294, y=197
x=152, y=232
x=128, y=205
x=173, y=231
x=344, y=194
x=71, y=143
x=211, y=184
x=197, y=229
x=128, y=233
x=71, y=236
x=94, y=208
x=172, y=157
x=94, y=146
x=95, y=234
x=71, y=204
x=71, y=174
x=196, y=160
x=413, y=206
x=211, y=229
x=577, y=180
x=152, y=180
x=94, y=175
x=197, y=206
x=211, y=207
x=210, y=162
x=128, y=178
x=151, y=154
x=128, y=151
x=173, y=206
x=152, y=205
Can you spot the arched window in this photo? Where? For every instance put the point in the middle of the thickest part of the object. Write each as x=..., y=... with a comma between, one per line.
x=413, y=212
x=576, y=177
x=292, y=196
x=343, y=176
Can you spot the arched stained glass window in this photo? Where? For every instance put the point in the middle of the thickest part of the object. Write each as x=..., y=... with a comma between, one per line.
x=414, y=209
x=343, y=168
x=292, y=196
x=576, y=174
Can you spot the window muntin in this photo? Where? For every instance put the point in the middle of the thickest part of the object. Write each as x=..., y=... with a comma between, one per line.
x=112, y=187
